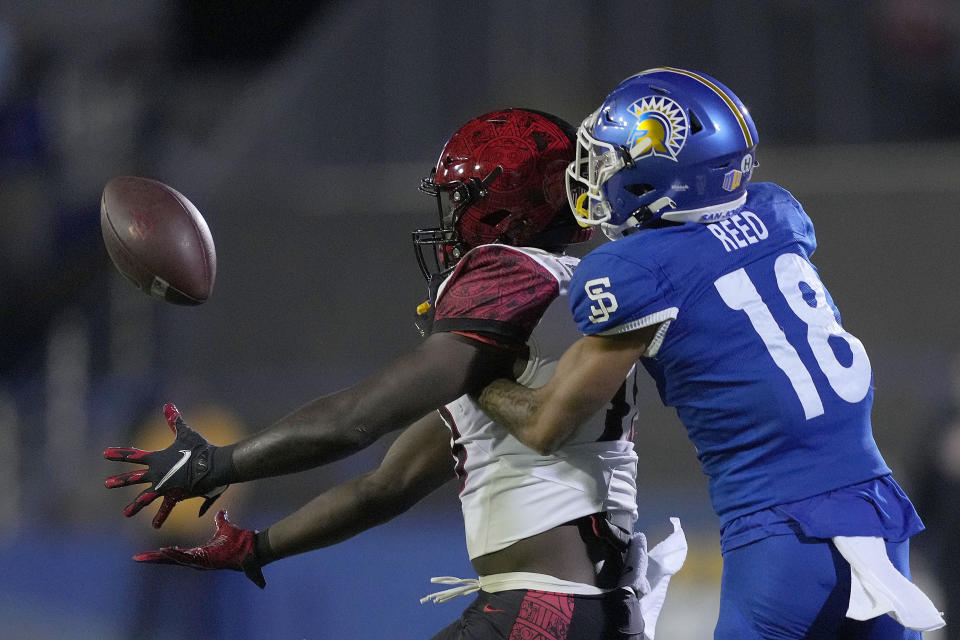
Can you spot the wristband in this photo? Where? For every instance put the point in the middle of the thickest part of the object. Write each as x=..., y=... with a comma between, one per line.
x=222, y=470
x=262, y=549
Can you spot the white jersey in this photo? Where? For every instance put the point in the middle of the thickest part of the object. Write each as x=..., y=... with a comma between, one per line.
x=509, y=491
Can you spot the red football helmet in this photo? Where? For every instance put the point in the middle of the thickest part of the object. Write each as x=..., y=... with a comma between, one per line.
x=500, y=179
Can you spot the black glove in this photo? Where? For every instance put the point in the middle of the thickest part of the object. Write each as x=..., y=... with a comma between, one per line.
x=188, y=468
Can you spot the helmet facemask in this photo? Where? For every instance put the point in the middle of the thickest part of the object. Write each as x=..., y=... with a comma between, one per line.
x=595, y=163
x=446, y=247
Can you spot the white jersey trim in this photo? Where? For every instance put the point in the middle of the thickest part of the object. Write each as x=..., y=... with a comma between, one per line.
x=537, y=582
x=665, y=317
x=496, y=582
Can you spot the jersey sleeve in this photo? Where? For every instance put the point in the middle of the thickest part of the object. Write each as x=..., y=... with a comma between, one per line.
x=495, y=290
x=610, y=294
x=802, y=225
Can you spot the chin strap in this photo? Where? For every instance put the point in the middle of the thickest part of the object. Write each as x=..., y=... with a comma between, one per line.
x=640, y=216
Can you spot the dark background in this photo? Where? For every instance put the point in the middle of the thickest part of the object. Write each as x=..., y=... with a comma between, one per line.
x=301, y=131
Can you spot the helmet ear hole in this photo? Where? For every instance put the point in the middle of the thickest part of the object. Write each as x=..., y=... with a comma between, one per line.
x=695, y=125
x=638, y=189
x=495, y=217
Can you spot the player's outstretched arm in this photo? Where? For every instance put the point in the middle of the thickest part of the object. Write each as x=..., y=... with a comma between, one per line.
x=416, y=464
x=441, y=369
x=588, y=375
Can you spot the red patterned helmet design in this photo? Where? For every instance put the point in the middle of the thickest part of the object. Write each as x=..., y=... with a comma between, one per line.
x=500, y=178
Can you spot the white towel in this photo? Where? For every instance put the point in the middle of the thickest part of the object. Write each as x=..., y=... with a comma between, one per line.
x=876, y=587
x=663, y=561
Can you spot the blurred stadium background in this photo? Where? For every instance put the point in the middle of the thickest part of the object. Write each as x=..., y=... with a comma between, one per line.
x=300, y=130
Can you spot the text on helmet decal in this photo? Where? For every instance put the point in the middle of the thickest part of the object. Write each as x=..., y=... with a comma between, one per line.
x=606, y=301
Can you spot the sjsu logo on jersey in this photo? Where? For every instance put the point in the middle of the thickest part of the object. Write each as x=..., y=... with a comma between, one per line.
x=660, y=130
x=606, y=301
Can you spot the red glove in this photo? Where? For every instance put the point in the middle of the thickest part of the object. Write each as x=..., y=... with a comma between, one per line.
x=230, y=548
x=185, y=469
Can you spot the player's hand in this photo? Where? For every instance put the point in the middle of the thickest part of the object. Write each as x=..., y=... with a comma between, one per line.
x=230, y=548
x=178, y=472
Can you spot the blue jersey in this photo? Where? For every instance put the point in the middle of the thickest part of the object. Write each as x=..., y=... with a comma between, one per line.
x=774, y=393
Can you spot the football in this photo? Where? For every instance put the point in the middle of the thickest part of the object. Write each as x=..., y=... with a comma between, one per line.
x=158, y=240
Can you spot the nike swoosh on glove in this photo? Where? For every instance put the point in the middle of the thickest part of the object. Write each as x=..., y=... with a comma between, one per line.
x=183, y=470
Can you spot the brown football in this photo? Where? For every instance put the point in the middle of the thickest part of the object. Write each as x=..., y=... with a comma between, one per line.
x=158, y=240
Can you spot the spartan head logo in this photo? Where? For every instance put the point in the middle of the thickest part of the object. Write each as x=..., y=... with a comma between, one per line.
x=660, y=130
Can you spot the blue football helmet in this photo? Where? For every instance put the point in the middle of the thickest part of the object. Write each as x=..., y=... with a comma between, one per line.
x=666, y=143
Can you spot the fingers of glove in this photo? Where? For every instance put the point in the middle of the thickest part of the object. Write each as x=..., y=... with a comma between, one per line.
x=194, y=558
x=172, y=555
x=154, y=557
x=165, y=508
x=142, y=500
x=224, y=526
x=126, y=454
x=211, y=497
x=220, y=519
x=172, y=414
x=125, y=479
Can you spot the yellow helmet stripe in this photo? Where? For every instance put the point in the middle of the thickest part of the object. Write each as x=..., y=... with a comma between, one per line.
x=748, y=138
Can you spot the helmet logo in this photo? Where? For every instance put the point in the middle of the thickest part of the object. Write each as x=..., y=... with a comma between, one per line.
x=733, y=179
x=660, y=130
